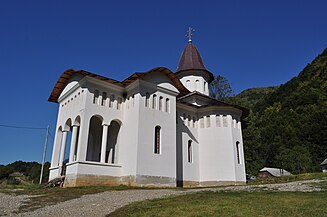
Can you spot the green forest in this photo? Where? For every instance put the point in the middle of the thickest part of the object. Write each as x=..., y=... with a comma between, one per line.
x=23, y=172
x=287, y=125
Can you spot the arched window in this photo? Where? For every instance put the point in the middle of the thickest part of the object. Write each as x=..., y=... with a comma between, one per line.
x=193, y=122
x=157, y=139
x=147, y=97
x=160, y=103
x=167, y=105
x=184, y=118
x=132, y=99
x=225, y=124
x=197, y=85
x=187, y=83
x=218, y=124
x=119, y=103
x=189, y=151
x=111, y=155
x=238, y=152
x=208, y=121
x=96, y=97
x=104, y=99
x=202, y=122
x=189, y=120
x=112, y=99
x=154, y=101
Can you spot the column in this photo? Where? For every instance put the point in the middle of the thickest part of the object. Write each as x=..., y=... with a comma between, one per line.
x=83, y=139
x=104, y=143
x=73, y=144
x=56, y=149
x=63, y=147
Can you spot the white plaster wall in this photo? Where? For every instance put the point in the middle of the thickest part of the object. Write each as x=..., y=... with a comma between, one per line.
x=148, y=163
x=190, y=171
x=70, y=107
x=202, y=86
x=239, y=168
x=217, y=161
x=93, y=168
x=129, y=135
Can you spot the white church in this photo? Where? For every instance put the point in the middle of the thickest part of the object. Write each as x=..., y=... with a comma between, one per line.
x=157, y=128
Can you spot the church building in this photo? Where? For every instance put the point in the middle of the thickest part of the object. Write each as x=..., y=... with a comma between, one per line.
x=156, y=128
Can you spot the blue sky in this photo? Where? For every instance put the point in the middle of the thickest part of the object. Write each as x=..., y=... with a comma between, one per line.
x=252, y=43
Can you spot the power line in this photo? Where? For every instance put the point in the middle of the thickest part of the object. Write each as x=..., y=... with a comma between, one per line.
x=51, y=135
x=21, y=127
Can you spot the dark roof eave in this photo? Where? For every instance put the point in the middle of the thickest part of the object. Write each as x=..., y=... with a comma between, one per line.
x=215, y=102
x=211, y=77
x=66, y=75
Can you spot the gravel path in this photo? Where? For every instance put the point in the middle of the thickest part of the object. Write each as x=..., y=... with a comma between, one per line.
x=10, y=203
x=106, y=202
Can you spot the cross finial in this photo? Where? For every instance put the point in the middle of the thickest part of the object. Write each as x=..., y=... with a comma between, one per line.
x=189, y=34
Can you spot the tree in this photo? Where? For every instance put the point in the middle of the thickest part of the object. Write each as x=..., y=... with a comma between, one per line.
x=220, y=88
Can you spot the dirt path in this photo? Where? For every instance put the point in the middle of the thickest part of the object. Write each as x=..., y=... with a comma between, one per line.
x=106, y=202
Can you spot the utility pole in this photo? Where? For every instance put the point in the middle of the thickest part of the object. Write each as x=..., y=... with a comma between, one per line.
x=44, y=153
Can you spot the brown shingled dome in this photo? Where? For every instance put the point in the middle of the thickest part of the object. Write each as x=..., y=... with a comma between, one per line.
x=191, y=60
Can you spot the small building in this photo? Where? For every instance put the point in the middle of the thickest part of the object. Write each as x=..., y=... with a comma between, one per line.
x=268, y=172
x=324, y=166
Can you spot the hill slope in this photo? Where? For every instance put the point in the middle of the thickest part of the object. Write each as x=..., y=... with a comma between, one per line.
x=251, y=97
x=288, y=126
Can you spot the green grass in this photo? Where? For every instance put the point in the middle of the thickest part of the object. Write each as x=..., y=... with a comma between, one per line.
x=231, y=204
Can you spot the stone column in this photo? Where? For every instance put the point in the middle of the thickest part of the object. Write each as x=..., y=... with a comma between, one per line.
x=104, y=143
x=63, y=147
x=73, y=144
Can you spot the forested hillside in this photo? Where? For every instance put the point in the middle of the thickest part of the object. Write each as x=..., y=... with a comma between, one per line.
x=21, y=171
x=287, y=126
x=251, y=97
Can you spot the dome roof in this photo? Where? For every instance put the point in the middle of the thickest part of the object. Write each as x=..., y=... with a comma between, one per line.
x=191, y=60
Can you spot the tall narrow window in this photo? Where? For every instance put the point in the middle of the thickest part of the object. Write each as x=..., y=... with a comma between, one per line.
x=157, y=139
x=127, y=102
x=218, y=121
x=96, y=97
x=160, y=103
x=225, y=124
x=193, y=122
x=188, y=120
x=167, y=105
x=184, y=118
x=112, y=99
x=132, y=100
x=201, y=123
x=154, y=101
x=238, y=152
x=189, y=152
x=104, y=99
x=147, y=97
x=187, y=83
x=197, y=85
x=119, y=103
x=208, y=121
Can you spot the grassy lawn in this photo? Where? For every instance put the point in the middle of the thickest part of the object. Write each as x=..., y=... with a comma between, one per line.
x=49, y=196
x=232, y=204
